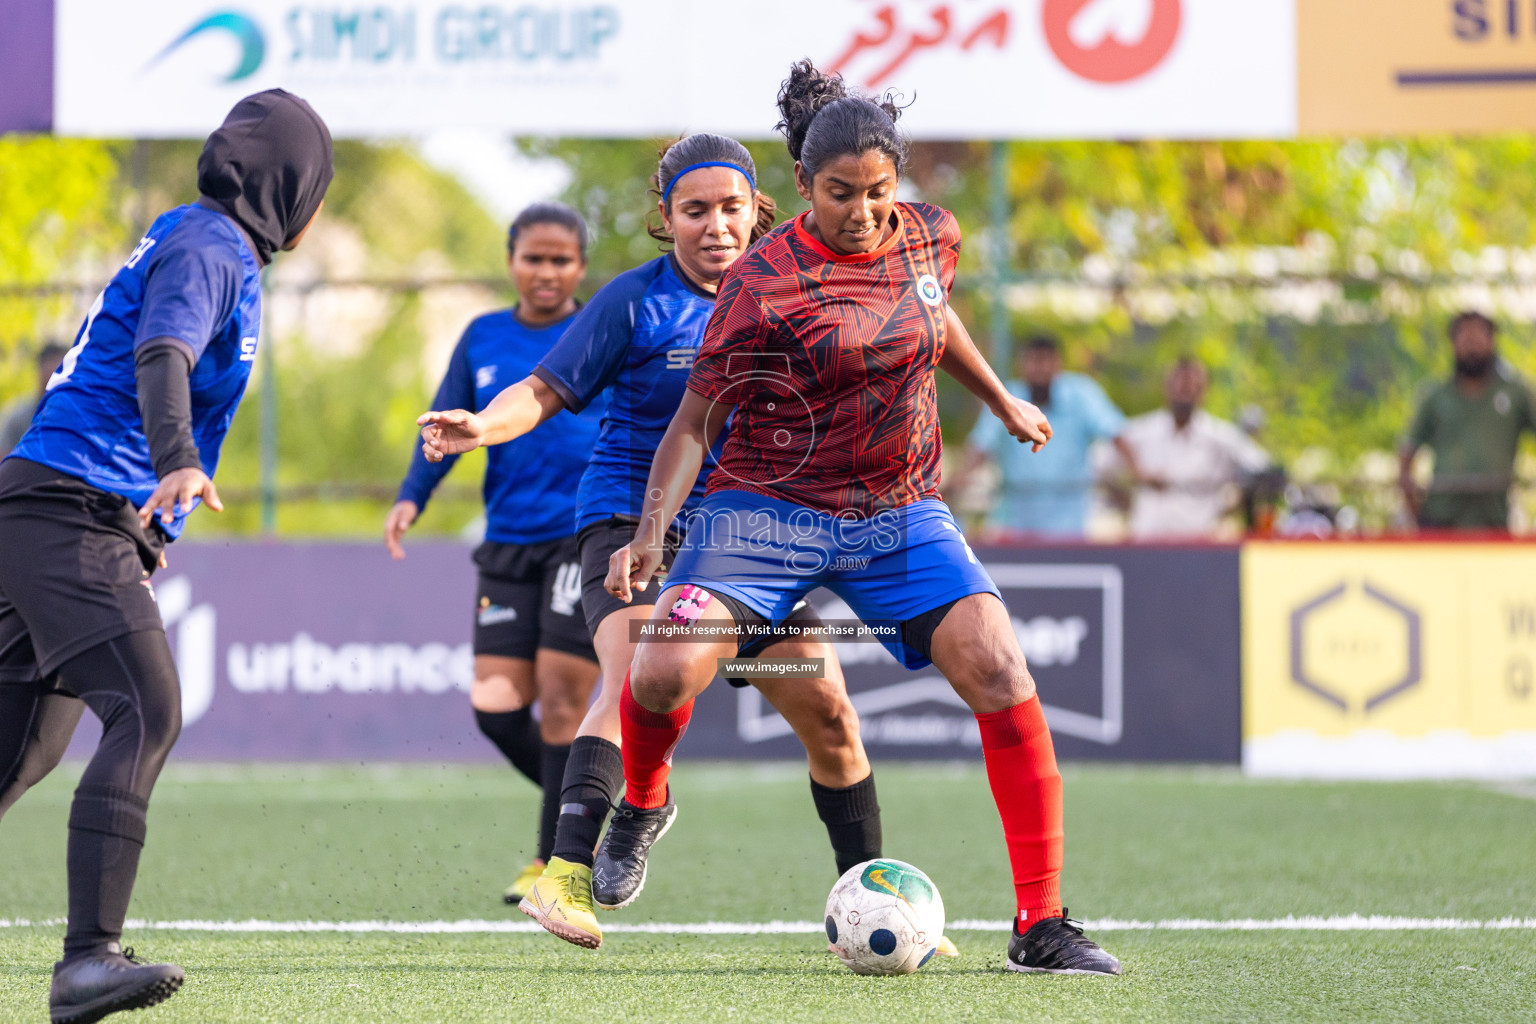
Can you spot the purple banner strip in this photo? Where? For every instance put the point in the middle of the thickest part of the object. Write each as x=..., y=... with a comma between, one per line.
x=26, y=66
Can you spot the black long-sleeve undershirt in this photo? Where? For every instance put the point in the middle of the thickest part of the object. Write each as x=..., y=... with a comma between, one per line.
x=162, y=368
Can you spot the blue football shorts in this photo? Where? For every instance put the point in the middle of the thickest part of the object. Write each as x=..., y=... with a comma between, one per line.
x=891, y=567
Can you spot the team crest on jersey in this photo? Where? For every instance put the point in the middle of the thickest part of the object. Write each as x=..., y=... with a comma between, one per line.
x=930, y=291
x=485, y=376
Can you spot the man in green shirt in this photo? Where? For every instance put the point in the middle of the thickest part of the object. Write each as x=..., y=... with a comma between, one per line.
x=1473, y=423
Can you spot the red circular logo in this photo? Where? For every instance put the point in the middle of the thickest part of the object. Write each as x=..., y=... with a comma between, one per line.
x=1108, y=59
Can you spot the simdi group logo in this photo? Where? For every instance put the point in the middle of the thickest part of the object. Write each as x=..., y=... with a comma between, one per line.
x=382, y=35
x=241, y=27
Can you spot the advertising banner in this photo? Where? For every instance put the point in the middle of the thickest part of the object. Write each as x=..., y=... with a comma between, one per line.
x=627, y=68
x=1389, y=660
x=320, y=652
x=1415, y=66
x=334, y=652
x=1134, y=652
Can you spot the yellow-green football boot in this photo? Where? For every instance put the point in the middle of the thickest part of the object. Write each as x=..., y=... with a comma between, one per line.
x=518, y=889
x=561, y=901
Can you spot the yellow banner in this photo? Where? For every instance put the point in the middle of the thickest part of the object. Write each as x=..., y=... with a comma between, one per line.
x=1411, y=66
x=1389, y=653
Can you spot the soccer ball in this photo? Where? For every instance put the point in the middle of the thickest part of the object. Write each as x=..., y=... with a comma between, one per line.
x=884, y=917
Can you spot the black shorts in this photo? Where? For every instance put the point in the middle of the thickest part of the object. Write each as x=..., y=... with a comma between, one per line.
x=74, y=569
x=598, y=542
x=601, y=539
x=528, y=598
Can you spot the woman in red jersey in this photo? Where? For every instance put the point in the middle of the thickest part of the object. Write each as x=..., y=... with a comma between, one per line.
x=823, y=341
x=632, y=347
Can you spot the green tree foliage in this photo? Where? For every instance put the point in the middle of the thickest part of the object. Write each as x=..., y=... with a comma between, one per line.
x=1385, y=228
x=60, y=208
x=1389, y=225
x=1161, y=248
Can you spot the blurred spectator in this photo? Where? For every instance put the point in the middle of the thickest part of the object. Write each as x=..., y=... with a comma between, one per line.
x=1191, y=464
x=1045, y=493
x=17, y=416
x=1473, y=424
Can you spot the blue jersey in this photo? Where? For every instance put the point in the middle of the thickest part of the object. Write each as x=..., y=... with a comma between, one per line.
x=636, y=340
x=193, y=278
x=529, y=492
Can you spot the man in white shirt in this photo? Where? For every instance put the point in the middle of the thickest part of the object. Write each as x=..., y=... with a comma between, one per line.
x=1191, y=463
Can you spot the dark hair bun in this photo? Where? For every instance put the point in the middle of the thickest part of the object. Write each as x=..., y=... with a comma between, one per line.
x=852, y=122
x=801, y=95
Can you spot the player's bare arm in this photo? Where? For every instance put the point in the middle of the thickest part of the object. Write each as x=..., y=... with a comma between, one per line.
x=678, y=461
x=965, y=363
x=510, y=415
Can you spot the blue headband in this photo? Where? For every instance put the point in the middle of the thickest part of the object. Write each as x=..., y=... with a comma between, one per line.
x=667, y=193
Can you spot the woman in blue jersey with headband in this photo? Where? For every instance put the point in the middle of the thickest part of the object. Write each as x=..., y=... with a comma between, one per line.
x=530, y=637
x=122, y=448
x=635, y=342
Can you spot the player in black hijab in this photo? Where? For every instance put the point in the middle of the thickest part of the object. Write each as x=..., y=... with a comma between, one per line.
x=123, y=446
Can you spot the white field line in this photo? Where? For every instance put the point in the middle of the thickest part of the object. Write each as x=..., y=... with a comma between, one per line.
x=1348, y=923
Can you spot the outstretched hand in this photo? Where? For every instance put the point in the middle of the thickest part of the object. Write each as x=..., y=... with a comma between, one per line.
x=1025, y=422
x=175, y=493
x=449, y=433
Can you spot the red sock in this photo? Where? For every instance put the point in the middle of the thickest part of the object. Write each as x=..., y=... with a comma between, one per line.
x=648, y=741
x=1021, y=766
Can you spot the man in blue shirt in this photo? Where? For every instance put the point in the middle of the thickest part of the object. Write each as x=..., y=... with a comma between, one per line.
x=122, y=448
x=1045, y=493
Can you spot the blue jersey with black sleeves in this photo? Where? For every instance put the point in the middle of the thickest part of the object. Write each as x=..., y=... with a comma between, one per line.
x=192, y=278
x=636, y=340
x=529, y=497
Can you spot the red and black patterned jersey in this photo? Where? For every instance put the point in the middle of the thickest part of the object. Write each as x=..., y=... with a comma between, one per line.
x=828, y=360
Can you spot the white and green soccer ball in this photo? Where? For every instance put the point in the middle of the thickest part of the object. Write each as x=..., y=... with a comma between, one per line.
x=884, y=917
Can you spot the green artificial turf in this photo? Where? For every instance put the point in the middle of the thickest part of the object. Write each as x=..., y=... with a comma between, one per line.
x=429, y=843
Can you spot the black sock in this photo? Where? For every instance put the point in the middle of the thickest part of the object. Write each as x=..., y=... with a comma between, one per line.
x=593, y=777
x=852, y=817
x=554, y=780
x=516, y=735
x=106, y=835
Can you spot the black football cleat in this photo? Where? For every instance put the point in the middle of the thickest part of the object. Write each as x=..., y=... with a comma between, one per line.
x=618, y=872
x=1056, y=945
x=86, y=988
